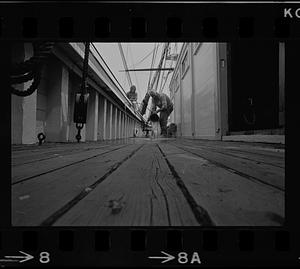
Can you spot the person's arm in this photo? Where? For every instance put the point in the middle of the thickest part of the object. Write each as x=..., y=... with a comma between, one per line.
x=163, y=102
x=153, y=108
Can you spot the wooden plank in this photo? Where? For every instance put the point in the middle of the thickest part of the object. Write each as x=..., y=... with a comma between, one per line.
x=25, y=149
x=35, y=200
x=260, y=171
x=26, y=171
x=39, y=156
x=256, y=138
x=269, y=150
x=230, y=199
x=141, y=192
x=52, y=147
x=40, y=152
x=253, y=155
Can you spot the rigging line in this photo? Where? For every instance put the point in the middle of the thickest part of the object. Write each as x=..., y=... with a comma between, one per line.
x=108, y=68
x=154, y=77
x=124, y=79
x=169, y=72
x=165, y=81
x=160, y=64
x=151, y=67
x=152, y=64
x=126, y=58
x=126, y=75
x=125, y=64
x=136, y=64
x=150, y=73
x=127, y=50
x=137, y=83
x=109, y=71
x=162, y=77
x=166, y=45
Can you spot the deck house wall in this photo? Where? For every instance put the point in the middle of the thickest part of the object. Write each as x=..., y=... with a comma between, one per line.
x=206, y=83
x=196, y=91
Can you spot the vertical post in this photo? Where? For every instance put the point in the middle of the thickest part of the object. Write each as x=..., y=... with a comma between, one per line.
x=64, y=96
x=56, y=128
x=129, y=126
x=217, y=95
x=110, y=120
x=80, y=119
x=96, y=119
x=104, y=118
x=125, y=126
x=92, y=117
x=129, y=131
x=120, y=124
x=116, y=122
x=222, y=89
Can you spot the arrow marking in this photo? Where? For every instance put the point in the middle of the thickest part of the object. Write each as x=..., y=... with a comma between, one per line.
x=25, y=258
x=166, y=258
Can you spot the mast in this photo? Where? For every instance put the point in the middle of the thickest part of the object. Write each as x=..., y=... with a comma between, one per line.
x=154, y=81
x=157, y=73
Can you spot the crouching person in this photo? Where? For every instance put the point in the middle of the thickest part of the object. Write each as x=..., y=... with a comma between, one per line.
x=165, y=108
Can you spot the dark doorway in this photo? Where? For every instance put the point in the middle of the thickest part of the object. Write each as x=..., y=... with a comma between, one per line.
x=253, y=92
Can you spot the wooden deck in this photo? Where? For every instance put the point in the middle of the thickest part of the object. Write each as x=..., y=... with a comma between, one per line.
x=144, y=182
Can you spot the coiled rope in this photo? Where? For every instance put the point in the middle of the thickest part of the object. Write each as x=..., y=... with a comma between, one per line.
x=30, y=69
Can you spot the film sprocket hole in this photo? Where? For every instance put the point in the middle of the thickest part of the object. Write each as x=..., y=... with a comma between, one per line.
x=181, y=118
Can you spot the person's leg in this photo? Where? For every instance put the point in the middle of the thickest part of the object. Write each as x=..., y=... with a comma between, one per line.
x=163, y=122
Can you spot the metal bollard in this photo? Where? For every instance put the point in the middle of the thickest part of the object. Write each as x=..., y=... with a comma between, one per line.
x=41, y=137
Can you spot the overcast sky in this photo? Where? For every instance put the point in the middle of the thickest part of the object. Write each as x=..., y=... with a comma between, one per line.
x=134, y=53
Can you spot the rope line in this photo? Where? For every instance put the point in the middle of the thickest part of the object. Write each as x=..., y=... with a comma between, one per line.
x=30, y=69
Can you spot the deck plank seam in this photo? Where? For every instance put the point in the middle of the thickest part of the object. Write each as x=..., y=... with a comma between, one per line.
x=164, y=195
x=243, y=151
x=63, y=210
x=234, y=171
x=70, y=164
x=245, y=158
x=74, y=151
x=200, y=213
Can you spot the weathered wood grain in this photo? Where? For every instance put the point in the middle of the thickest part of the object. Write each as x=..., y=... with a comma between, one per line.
x=143, y=192
x=274, y=150
x=35, y=152
x=27, y=171
x=35, y=200
x=269, y=174
x=119, y=184
x=41, y=156
x=258, y=154
x=230, y=199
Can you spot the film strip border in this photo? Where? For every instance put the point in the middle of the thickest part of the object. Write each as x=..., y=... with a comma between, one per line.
x=149, y=21
x=85, y=247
